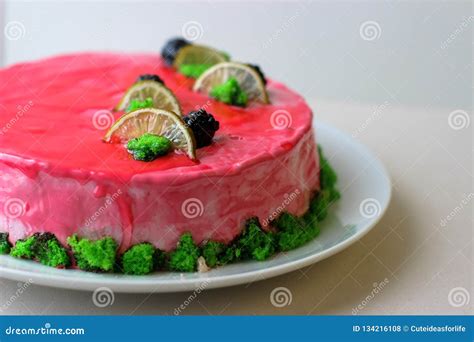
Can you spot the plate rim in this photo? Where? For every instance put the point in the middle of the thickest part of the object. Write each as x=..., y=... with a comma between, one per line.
x=140, y=285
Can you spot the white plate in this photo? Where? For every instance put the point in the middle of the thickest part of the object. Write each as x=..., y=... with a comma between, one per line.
x=365, y=188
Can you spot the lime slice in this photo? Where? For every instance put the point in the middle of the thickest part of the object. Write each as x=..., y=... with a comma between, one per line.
x=162, y=97
x=249, y=80
x=155, y=121
x=198, y=55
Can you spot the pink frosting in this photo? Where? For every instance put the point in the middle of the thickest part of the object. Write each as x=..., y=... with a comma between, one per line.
x=57, y=175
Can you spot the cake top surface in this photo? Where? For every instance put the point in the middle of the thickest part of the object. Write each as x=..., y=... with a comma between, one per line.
x=54, y=113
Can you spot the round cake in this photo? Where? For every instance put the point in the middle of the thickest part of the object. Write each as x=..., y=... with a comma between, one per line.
x=58, y=176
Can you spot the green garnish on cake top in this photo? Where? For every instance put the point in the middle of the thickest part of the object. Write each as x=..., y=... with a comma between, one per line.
x=193, y=70
x=233, y=83
x=230, y=92
x=190, y=59
x=139, y=104
x=148, y=86
x=148, y=147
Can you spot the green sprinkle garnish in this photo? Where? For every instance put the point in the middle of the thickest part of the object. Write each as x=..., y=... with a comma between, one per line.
x=252, y=243
x=24, y=248
x=230, y=92
x=42, y=247
x=138, y=104
x=148, y=147
x=93, y=255
x=293, y=232
x=4, y=244
x=255, y=243
x=51, y=253
x=184, y=257
x=213, y=252
x=328, y=177
x=193, y=70
x=139, y=259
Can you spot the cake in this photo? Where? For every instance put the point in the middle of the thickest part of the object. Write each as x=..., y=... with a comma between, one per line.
x=71, y=199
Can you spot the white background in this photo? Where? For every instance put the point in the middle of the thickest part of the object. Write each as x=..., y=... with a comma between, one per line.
x=315, y=47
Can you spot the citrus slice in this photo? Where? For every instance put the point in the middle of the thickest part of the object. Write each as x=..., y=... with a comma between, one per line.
x=249, y=80
x=162, y=97
x=155, y=121
x=198, y=55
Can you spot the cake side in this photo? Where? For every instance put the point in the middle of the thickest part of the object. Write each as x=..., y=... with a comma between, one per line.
x=281, y=231
x=208, y=207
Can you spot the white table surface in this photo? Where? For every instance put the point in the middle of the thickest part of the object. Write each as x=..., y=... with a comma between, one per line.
x=421, y=259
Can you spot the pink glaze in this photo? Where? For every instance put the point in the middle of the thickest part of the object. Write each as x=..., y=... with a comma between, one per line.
x=57, y=175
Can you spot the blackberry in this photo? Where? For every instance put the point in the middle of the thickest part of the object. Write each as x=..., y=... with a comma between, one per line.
x=150, y=77
x=259, y=71
x=203, y=126
x=171, y=48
